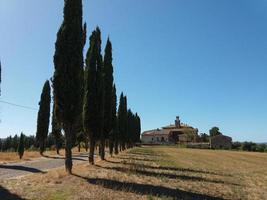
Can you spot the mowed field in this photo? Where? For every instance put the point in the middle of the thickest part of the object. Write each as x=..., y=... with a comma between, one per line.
x=151, y=172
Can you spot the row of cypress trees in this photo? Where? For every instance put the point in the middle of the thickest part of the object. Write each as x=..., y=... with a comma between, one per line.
x=84, y=94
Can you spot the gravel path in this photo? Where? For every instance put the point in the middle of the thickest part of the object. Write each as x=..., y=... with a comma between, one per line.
x=39, y=165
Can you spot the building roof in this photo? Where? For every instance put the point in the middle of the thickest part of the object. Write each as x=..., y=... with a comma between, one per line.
x=156, y=132
x=184, y=128
x=171, y=126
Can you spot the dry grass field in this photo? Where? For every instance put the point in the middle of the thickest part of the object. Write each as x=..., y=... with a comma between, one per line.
x=151, y=173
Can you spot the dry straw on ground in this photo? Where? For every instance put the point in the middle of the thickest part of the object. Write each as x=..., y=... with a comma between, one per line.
x=153, y=173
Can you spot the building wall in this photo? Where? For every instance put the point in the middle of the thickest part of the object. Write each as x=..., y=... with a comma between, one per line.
x=154, y=139
x=221, y=142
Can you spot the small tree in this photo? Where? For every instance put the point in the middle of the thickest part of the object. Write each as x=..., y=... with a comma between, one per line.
x=43, y=116
x=214, y=131
x=21, y=146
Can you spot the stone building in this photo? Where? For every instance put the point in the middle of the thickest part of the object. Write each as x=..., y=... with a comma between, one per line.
x=220, y=142
x=174, y=133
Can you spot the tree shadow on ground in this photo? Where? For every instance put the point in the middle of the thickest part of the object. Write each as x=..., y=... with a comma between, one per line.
x=143, y=154
x=146, y=189
x=6, y=195
x=83, y=155
x=22, y=168
x=62, y=158
x=134, y=158
x=167, y=168
x=165, y=175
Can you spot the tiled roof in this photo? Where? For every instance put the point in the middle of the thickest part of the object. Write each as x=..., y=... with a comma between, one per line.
x=157, y=132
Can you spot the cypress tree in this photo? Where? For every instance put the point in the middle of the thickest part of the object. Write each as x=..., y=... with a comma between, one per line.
x=21, y=146
x=125, y=121
x=56, y=130
x=43, y=116
x=67, y=79
x=108, y=93
x=80, y=136
x=113, y=137
x=138, y=128
x=93, y=110
x=122, y=121
x=100, y=95
x=130, y=128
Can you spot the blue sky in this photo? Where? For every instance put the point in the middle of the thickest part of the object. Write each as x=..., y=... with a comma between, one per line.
x=205, y=61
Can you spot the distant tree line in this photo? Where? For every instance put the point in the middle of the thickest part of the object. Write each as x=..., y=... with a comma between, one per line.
x=11, y=144
x=240, y=146
x=203, y=137
x=249, y=146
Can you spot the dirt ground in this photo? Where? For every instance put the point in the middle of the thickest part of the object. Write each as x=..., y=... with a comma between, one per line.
x=151, y=173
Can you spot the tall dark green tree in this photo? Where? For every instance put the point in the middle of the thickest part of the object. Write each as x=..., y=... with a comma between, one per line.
x=130, y=129
x=67, y=81
x=43, y=116
x=133, y=129
x=122, y=121
x=56, y=130
x=93, y=110
x=138, y=128
x=113, y=136
x=108, y=93
x=21, y=146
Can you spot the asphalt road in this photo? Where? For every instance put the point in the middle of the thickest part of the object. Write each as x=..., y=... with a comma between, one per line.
x=39, y=165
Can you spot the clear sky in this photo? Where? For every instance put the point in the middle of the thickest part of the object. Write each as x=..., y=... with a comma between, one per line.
x=205, y=61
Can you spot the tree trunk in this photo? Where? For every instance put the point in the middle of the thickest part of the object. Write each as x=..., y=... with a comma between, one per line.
x=79, y=147
x=86, y=145
x=111, y=145
x=102, y=149
x=41, y=143
x=57, y=151
x=68, y=153
x=116, y=147
x=91, y=151
x=123, y=146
